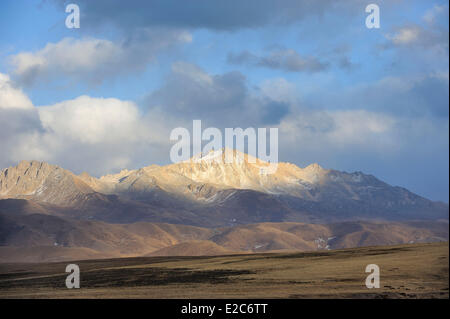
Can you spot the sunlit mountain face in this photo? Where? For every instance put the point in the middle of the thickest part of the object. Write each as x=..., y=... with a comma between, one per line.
x=208, y=191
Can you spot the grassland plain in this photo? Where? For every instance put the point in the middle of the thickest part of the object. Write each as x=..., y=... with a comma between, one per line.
x=407, y=271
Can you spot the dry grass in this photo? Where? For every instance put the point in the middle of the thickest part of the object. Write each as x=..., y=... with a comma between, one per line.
x=407, y=271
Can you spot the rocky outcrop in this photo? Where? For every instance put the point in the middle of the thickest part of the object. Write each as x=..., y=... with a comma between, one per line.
x=43, y=182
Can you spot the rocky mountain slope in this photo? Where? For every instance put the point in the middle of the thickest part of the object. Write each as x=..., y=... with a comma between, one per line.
x=211, y=192
x=43, y=182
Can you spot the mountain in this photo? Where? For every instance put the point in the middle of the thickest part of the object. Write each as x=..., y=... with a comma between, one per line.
x=310, y=194
x=208, y=191
x=45, y=183
x=204, y=206
x=29, y=234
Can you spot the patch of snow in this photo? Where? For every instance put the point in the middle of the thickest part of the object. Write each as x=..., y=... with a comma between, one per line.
x=212, y=198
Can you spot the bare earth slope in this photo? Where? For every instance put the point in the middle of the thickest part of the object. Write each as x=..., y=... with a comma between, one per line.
x=34, y=237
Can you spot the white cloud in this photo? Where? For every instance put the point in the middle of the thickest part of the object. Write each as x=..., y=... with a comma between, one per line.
x=91, y=59
x=432, y=38
x=19, y=120
x=101, y=135
x=92, y=120
x=11, y=97
x=338, y=129
x=98, y=135
x=359, y=126
x=405, y=35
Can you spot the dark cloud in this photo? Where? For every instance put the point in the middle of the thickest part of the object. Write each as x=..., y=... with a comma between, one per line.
x=18, y=121
x=282, y=59
x=222, y=100
x=217, y=15
x=272, y=112
x=432, y=95
x=191, y=92
x=419, y=96
x=290, y=60
x=18, y=131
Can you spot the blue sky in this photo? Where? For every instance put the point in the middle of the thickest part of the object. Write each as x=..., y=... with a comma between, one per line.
x=105, y=96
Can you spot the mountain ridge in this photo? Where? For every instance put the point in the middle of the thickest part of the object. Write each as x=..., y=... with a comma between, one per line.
x=207, y=191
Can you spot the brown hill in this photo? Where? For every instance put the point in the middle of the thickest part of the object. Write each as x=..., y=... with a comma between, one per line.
x=38, y=254
x=300, y=236
x=46, y=237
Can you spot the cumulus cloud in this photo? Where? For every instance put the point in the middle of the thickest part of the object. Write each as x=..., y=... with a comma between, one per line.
x=101, y=135
x=285, y=59
x=91, y=59
x=92, y=120
x=221, y=100
x=19, y=120
x=11, y=97
x=98, y=135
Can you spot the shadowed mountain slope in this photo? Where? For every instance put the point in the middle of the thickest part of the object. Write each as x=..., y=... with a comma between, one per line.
x=34, y=237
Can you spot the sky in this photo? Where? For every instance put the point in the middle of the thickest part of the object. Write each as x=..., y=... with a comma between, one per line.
x=106, y=96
